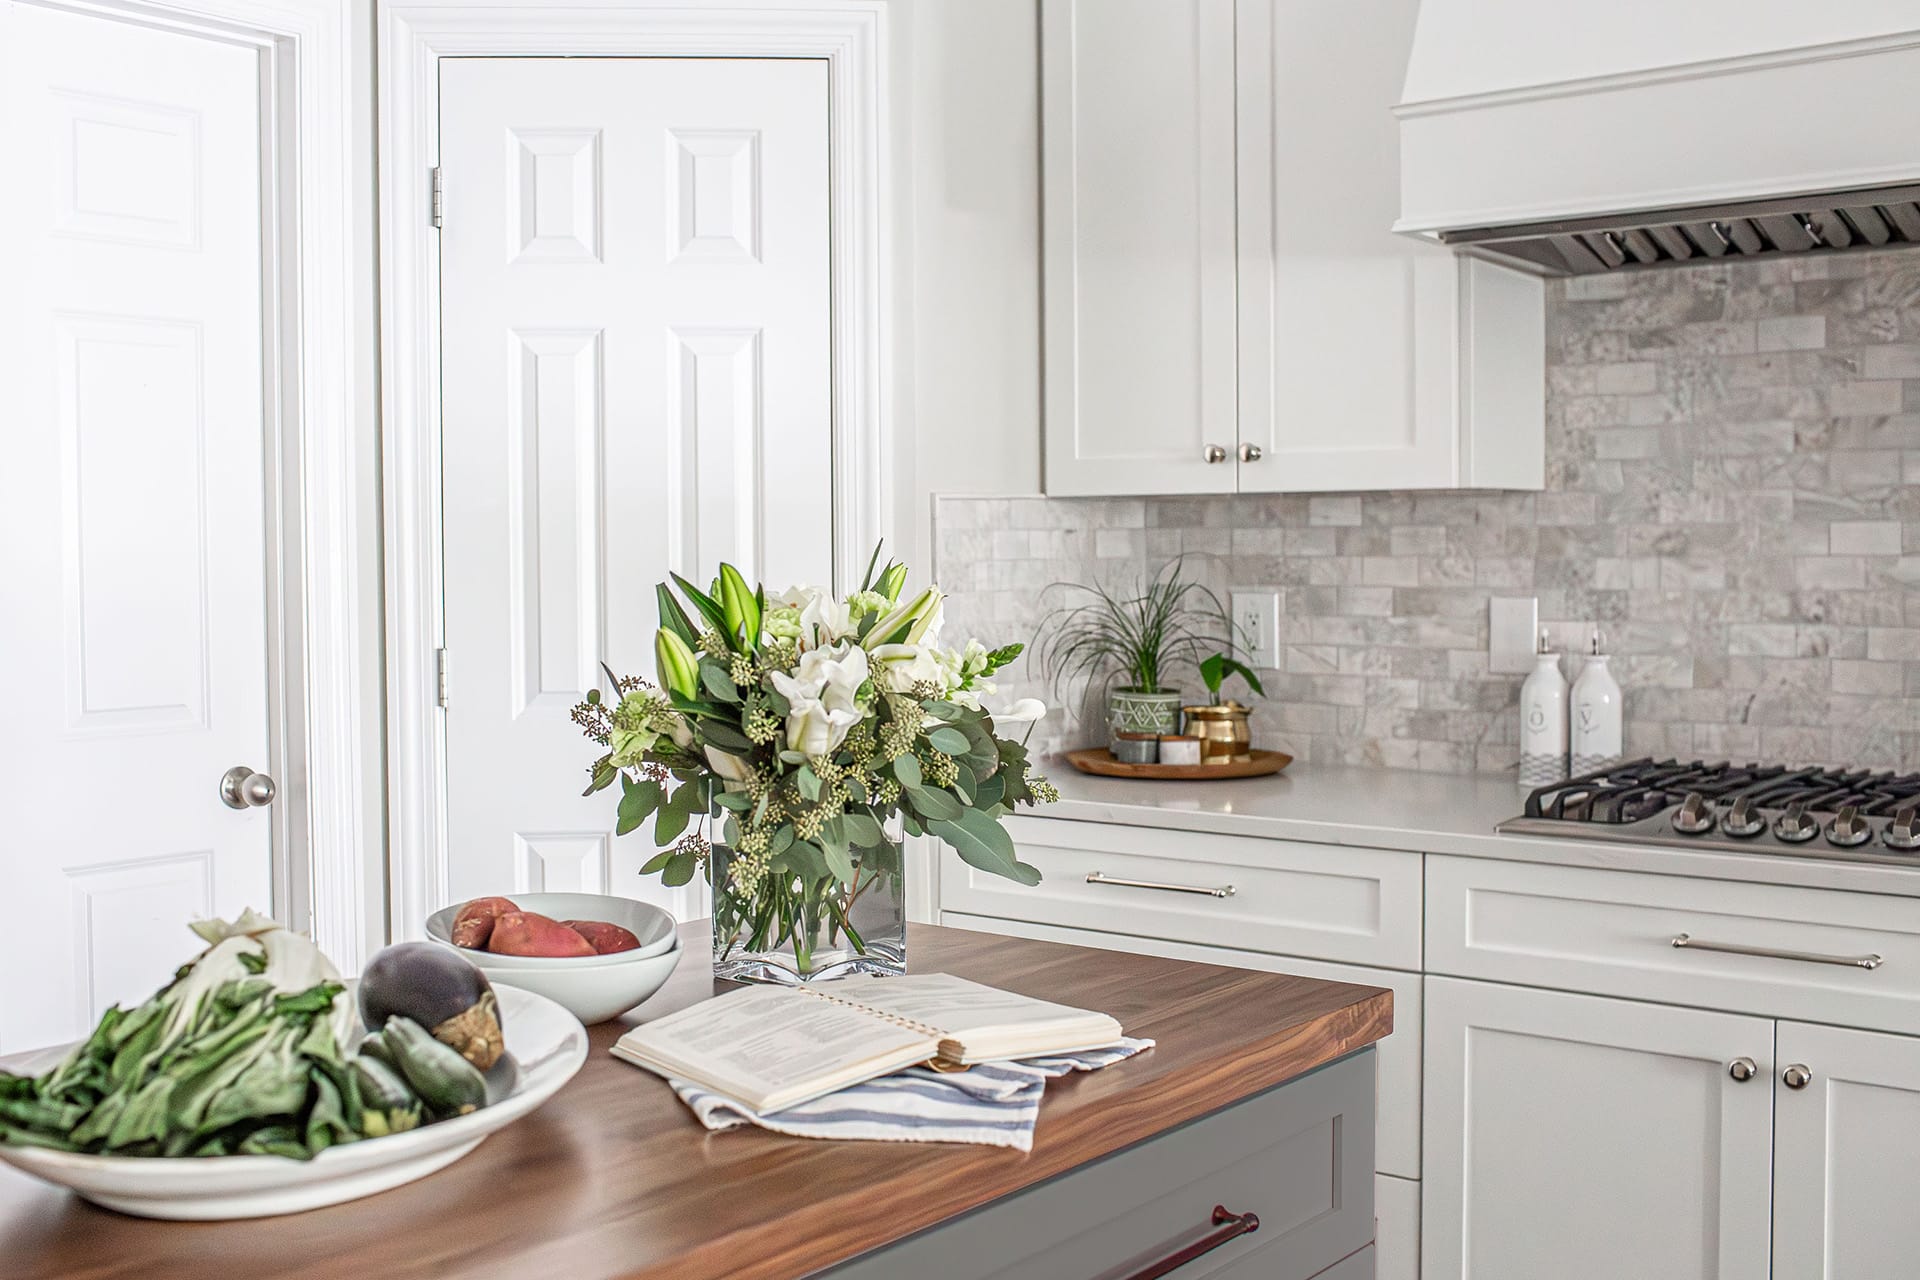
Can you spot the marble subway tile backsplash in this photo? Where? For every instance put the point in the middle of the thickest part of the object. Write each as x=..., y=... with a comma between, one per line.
x=1733, y=500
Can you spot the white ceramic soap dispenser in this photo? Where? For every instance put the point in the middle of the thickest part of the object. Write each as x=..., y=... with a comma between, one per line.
x=1596, y=715
x=1543, y=721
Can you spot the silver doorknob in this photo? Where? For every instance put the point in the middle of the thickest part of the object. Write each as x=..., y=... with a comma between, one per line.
x=242, y=788
x=1249, y=453
x=1796, y=1076
x=1214, y=453
x=1742, y=1069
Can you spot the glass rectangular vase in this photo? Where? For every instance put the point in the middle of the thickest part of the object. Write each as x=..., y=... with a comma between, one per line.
x=770, y=928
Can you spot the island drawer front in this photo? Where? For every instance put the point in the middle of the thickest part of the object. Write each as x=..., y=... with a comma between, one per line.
x=1397, y=1142
x=1361, y=906
x=1824, y=955
x=1295, y=1155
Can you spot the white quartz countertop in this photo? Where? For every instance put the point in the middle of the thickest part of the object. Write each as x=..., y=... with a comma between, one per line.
x=1421, y=813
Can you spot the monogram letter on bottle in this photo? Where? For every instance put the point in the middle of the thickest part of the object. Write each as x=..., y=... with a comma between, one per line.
x=1543, y=721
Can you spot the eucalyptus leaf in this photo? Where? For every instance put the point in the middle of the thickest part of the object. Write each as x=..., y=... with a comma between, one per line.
x=981, y=842
x=934, y=803
x=907, y=770
x=718, y=682
x=679, y=870
x=949, y=741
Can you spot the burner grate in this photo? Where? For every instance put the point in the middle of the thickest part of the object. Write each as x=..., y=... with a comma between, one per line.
x=1639, y=789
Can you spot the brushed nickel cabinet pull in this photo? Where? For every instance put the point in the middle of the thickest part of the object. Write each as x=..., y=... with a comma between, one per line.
x=1231, y=1227
x=1687, y=942
x=1101, y=877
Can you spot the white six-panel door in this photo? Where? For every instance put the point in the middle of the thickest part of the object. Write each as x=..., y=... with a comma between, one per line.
x=133, y=547
x=636, y=344
x=1591, y=1139
x=1846, y=1155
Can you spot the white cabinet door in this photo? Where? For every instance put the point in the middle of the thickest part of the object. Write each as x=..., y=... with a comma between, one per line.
x=1591, y=1139
x=1358, y=346
x=1846, y=1155
x=1138, y=239
x=636, y=342
x=134, y=547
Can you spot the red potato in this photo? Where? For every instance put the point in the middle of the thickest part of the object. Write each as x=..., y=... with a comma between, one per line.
x=528, y=933
x=473, y=925
x=606, y=938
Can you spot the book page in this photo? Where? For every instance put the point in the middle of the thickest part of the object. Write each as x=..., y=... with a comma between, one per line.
x=961, y=1009
x=762, y=1042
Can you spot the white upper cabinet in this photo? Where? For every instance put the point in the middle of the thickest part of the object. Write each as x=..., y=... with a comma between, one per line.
x=1138, y=184
x=1311, y=347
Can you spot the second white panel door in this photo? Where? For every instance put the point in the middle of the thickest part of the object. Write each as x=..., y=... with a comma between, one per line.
x=636, y=343
x=1591, y=1139
x=1847, y=1156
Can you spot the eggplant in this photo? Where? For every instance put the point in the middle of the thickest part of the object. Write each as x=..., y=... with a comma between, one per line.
x=431, y=986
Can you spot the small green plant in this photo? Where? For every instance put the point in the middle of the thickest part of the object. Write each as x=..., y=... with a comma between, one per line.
x=1137, y=634
x=1215, y=670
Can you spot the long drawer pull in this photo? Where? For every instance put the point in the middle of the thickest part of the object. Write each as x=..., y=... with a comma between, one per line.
x=1688, y=942
x=1101, y=877
x=1231, y=1227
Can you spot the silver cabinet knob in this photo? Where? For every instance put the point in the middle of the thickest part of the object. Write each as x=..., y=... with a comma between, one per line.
x=1796, y=1076
x=1742, y=1069
x=1214, y=453
x=242, y=788
x=1250, y=453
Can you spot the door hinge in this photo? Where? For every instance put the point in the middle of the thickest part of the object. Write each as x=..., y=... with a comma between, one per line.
x=437, y=208
x=440, y=676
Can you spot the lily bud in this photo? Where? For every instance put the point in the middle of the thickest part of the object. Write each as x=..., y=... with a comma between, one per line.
x=895, y=626
x=891, y=582
x=742, y=609
x=679, y=668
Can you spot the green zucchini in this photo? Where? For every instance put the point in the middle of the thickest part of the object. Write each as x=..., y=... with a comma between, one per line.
x=445, y=1081
x=381, y=1087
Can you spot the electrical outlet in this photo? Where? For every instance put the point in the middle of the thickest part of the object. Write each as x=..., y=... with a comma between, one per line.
x=1256, y=626
x=1513, y=633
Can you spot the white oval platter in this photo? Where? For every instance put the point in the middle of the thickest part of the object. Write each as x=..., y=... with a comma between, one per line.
x=548, y=1043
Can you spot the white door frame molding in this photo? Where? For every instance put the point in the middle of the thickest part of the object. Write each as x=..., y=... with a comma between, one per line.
x=329, y=858
x=413, y=36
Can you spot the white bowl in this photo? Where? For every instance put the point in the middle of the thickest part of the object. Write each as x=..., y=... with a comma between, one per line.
x=548, y=1042
x=654, y=927
x=590, y=992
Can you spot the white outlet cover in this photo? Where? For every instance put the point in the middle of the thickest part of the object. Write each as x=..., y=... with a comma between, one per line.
x=1513, y=633
x=1256, y=621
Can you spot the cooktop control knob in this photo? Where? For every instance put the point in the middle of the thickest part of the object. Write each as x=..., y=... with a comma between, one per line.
x=1848, y=828
x=1695, y=815
x=1796, y=825
x=1903, y=833
x=1744, y=820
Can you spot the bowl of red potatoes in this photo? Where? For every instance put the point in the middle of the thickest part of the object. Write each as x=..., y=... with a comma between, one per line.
x=595, y=954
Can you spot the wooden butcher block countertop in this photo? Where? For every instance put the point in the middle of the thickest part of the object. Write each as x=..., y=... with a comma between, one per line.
x=613, y=1177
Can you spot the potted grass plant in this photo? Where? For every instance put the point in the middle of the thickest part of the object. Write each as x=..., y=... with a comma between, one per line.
x=1133, y=639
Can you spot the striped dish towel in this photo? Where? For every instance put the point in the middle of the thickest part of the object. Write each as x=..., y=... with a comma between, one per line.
x=994, y=1104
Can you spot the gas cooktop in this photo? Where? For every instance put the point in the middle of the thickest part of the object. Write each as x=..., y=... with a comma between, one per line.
x=1811, y=813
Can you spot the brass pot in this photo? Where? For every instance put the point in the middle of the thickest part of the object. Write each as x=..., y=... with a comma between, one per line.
x=1222, y=730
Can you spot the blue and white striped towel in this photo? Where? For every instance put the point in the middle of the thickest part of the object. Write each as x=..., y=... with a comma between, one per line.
x=995, y=1104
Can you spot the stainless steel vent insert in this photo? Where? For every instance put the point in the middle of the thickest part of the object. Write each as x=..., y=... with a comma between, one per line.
x=1871, y=218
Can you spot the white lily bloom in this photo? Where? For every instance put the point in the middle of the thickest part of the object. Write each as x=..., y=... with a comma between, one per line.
x=903, y=666
x=815, y=729
x=1021, y=711
x=823, y=619
x=833, y=675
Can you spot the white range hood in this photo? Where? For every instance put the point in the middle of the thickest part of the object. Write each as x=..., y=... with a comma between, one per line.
x=1579, y=138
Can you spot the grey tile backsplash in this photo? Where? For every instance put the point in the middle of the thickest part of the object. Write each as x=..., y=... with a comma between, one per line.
x=1733, y=499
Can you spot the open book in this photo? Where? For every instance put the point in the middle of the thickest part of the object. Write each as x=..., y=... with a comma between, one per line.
x=772, y=1047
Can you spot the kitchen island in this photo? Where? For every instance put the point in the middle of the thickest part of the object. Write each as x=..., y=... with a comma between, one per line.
x=1258, y=1096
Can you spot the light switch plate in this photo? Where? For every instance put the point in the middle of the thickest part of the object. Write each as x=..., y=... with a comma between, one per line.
x=1513, y=633
x=1256, y=626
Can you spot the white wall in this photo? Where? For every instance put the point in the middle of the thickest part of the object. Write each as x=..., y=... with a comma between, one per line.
x=966, y=115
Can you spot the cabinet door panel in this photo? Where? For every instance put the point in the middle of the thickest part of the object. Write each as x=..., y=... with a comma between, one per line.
x=1138, y=238
x=1346, y=329
x=1589, y=1139
x=1846, y=1156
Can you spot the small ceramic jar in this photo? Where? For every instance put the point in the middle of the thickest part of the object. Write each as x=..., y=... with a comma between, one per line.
x=1136, y=748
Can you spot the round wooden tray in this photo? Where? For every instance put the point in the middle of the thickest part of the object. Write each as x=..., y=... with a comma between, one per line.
x=1258, y=764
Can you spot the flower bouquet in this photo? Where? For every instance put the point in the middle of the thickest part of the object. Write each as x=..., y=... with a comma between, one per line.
x=790, y=745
